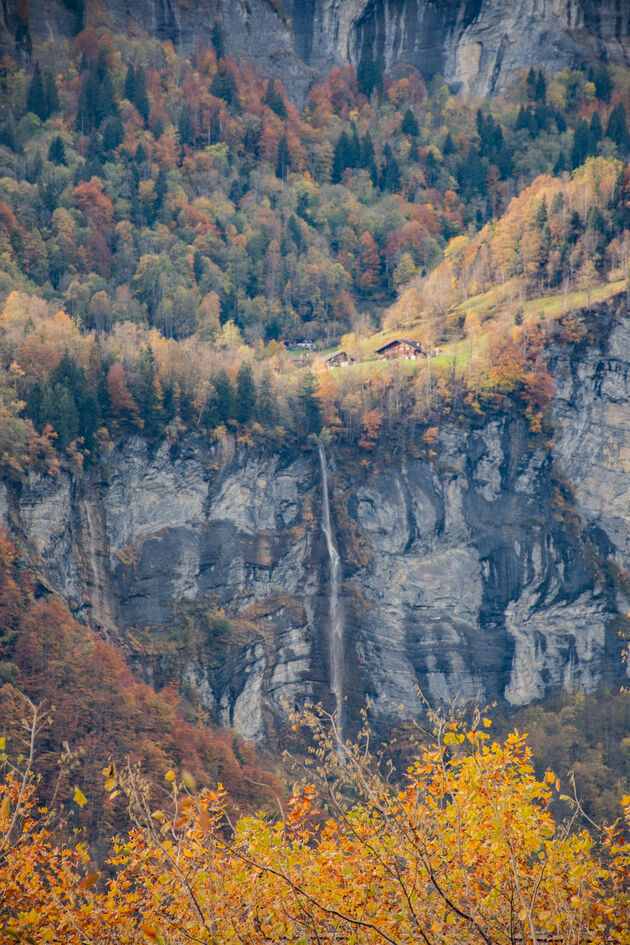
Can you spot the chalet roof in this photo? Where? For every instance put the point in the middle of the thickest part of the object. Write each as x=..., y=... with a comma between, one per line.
x=335, y=354
x=402, y=341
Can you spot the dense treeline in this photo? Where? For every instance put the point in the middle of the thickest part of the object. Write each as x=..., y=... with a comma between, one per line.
x=585, y=738
x=136, y=185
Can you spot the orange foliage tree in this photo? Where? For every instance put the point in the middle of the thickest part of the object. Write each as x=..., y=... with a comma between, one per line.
x=466, y=850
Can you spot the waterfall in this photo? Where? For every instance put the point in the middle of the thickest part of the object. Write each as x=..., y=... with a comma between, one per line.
x=335, y=611
x=95, y=582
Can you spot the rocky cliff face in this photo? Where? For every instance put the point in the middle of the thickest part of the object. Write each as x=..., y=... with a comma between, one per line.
x=477, y=45
x=484, y=571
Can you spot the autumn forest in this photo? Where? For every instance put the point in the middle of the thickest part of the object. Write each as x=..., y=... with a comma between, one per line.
x=181, y=247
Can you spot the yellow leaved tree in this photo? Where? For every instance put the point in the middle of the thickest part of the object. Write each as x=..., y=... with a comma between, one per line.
x=465, y=850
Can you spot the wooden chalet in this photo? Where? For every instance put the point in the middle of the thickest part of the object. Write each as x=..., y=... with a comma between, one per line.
x=402, y=348
x=338, y=359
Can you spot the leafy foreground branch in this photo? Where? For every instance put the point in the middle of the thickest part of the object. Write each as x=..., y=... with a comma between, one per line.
x=465, y=851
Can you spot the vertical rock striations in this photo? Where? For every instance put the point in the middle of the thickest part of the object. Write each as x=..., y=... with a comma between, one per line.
x=478, y=573
x=479, y=46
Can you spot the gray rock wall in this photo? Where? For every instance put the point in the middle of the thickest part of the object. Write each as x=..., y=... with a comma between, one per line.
x=480, y=572
x=479, y=46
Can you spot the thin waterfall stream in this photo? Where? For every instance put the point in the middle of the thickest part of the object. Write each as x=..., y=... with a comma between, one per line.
x=95, y=595
x=334, y=604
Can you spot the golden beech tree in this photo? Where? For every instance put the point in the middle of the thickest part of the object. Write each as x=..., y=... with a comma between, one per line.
x=465, y=850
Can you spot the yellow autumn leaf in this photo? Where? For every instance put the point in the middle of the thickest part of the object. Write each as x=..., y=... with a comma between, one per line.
x=3, y=743
x=170, y=776
x=79, y=797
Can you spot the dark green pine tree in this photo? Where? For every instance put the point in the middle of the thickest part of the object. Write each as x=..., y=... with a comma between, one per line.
x=161, y=188
x=390, y=172
x=603, y=83
x=185, y=128
x=57, y=151
x=581, y=140
x=87, y=102
x=146, y=394
x=94, y=155
x=340, y=158
x=267, y=407
x=309, y=417
x=69, y=375
x=224, y=398
x=617, y=128
x=141, y=99
x=198, y=266
x=366, y=158
x=65, y=402
x=113, y=133
x=540, y=90
x=354, y=148
x=369, y=74
x=105, y=102
x=61, y=412
x=449, y=145
x=284, y=159
x=130, y=83
x=596, y=133
x=561, y=125
x=541, y=214
x=596, y=220
x=530, y=85
x=51, y=96
x=36, y=96
x=409, y=124
x=245, y=394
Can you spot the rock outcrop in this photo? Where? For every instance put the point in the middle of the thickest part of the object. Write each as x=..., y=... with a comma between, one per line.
x=486, y=571
x=479, y=46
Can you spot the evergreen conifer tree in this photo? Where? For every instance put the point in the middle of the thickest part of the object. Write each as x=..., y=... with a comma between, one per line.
x=366, y=157
x=284, y=158
x=369, y=75
x=530, y=84
x=309, y=416
x=245, y=394
x=36, y=97
x=57, y=151
x=581, y=140
x=617, y=128
x=409, y=124
x=224, y=397
x=51, y=96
